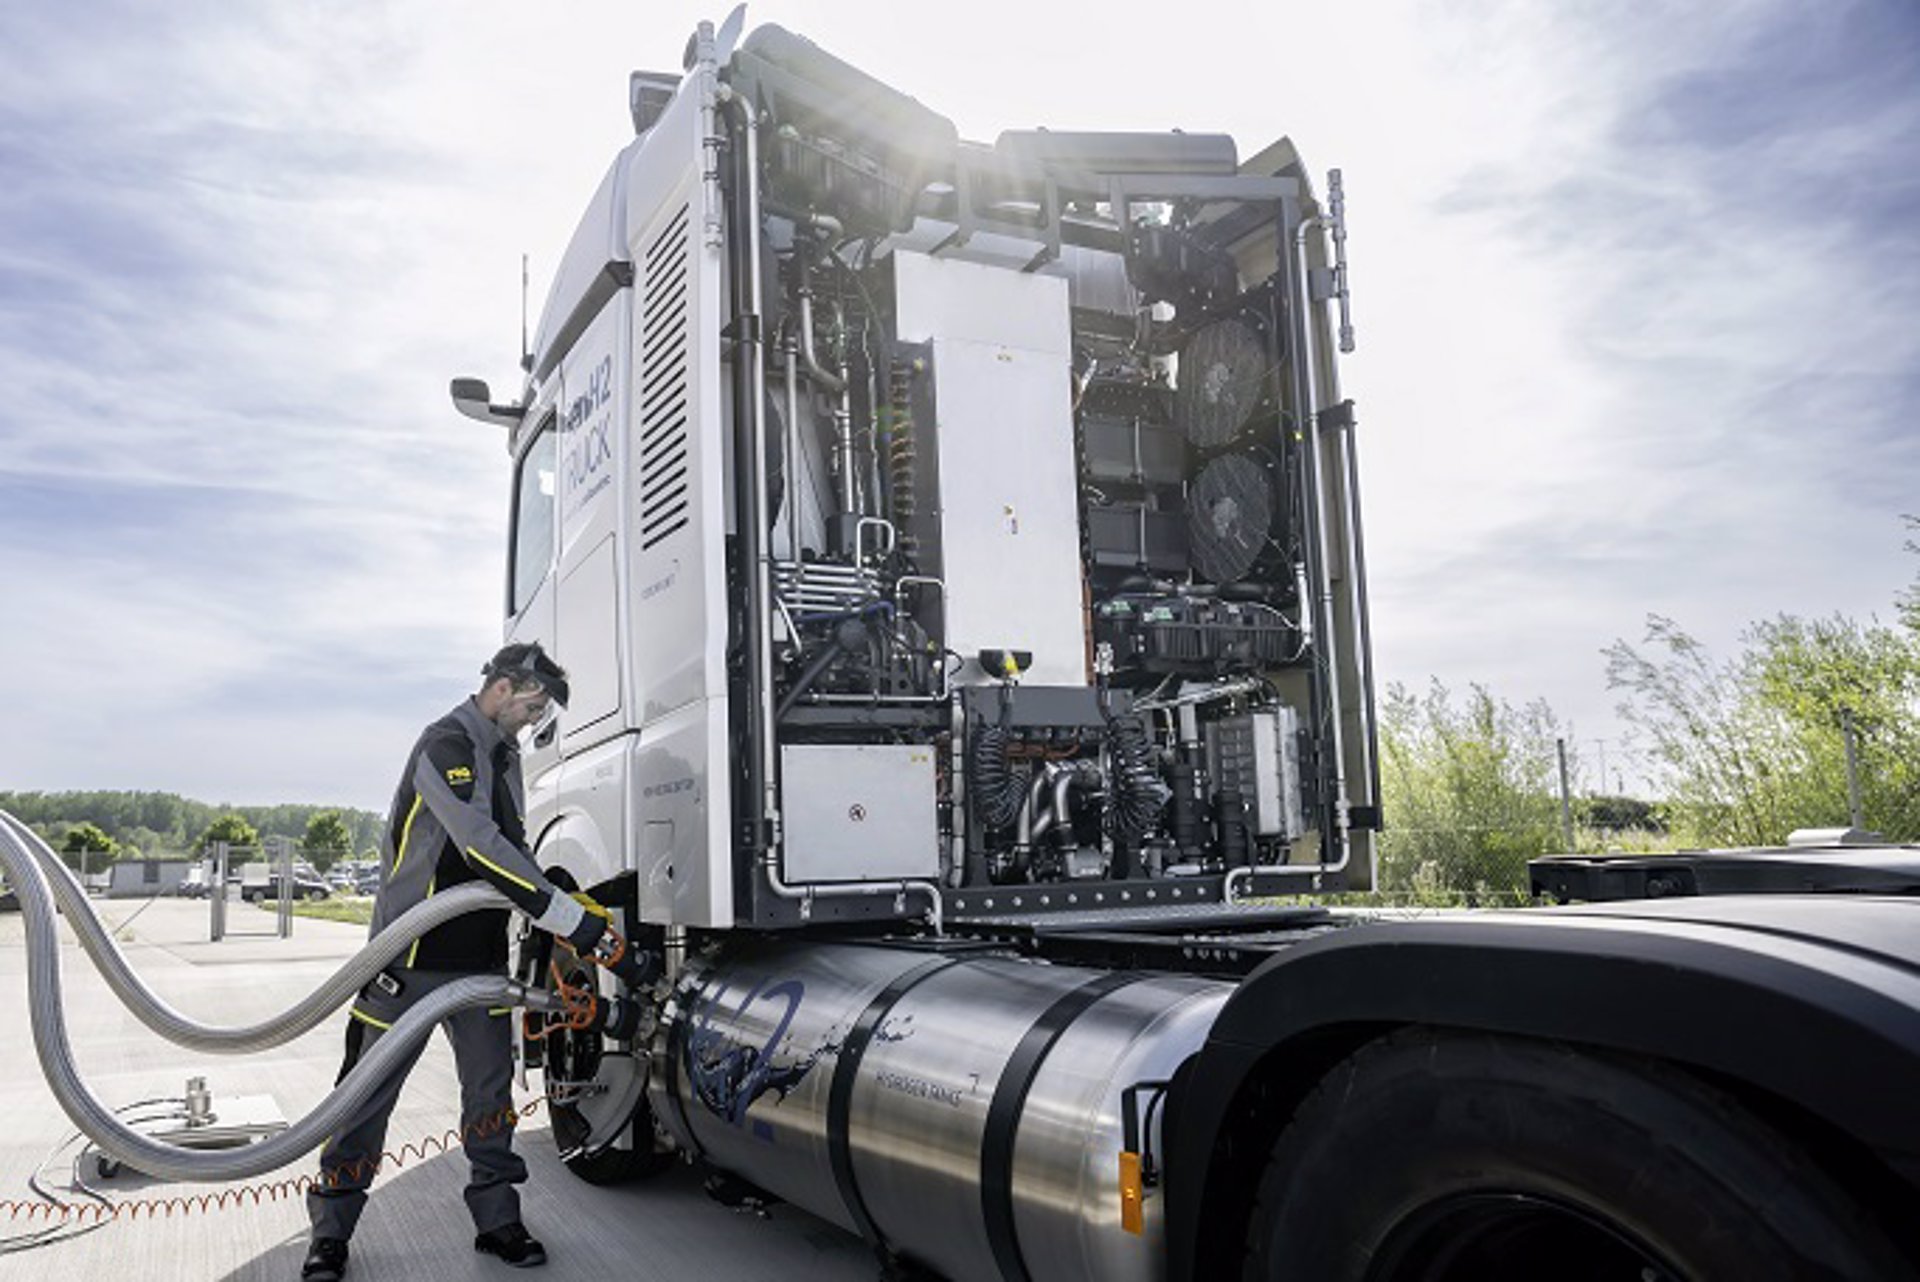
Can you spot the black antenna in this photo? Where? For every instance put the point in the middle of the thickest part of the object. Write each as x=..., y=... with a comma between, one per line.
x=526, y=356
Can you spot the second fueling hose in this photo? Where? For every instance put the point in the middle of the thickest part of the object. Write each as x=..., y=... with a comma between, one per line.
x=169, y=1161
x=153, y=1011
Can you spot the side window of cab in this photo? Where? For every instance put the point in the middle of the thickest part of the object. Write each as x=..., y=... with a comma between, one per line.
x=534, y=485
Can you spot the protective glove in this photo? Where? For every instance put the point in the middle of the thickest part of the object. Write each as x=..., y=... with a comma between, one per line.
x=589, y=934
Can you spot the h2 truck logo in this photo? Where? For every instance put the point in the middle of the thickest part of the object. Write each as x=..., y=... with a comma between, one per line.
x=588, y=429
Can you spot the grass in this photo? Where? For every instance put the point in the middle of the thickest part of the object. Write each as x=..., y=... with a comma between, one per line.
x=357, y=909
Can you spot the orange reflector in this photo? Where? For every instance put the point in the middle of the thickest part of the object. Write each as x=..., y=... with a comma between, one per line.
x=1132, y=1208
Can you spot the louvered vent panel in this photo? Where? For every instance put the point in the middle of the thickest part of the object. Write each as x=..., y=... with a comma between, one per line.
x=664, y=356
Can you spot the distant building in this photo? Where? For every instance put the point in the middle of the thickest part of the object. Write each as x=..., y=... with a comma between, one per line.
x=142, y=878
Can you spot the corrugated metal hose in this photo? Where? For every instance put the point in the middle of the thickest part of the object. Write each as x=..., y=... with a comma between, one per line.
x=27, y=861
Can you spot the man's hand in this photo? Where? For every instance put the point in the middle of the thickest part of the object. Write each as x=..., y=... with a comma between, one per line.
x=601, y=944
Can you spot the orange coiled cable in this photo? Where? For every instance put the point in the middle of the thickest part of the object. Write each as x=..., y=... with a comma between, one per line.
x=265, y=1191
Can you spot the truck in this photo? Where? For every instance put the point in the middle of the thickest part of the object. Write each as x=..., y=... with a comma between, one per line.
x=955, y=549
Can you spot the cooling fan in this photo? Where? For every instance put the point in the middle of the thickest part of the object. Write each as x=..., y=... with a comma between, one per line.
x=1223, y=379
x=1230, y=516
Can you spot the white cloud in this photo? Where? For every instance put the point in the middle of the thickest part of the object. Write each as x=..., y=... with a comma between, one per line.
x=1605, y=366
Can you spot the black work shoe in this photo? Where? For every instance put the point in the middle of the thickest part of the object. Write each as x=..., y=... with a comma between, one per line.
x=512, y=1243
x=326, y=1260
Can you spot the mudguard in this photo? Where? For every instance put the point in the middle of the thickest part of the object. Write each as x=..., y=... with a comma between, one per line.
x=1812, y=1000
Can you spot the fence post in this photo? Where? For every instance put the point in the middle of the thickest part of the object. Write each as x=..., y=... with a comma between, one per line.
x=217, y=892
x=1566, y=801
x=283, y=859
x=1853, y=769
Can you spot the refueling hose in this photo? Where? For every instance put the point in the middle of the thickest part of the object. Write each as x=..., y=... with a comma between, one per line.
x=153, y=1011
x=174, y=1162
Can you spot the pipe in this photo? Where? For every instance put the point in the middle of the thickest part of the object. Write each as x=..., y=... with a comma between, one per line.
x=173, y=1162
x=763, y=810
x=1323, y=587
x=1029, y=825
x=1309, y=418
x=806, y=894
x=1060, y=813
x=836, y=382
x=793, y=464
x=150, y=1009
x=841, y=642
x=1198, y=695
x=819, y=373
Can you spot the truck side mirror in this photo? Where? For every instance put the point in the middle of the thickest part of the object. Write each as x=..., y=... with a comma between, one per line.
x=472, y=398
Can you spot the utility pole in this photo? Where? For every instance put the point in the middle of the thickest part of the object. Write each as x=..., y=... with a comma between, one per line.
x=1853, y=769
x=1603, y=763
x=1566, y=802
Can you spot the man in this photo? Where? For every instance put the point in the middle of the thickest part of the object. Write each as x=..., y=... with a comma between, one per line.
x=459, y=815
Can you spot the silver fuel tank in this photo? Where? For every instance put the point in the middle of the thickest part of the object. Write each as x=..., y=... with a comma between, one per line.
x=966, y=1111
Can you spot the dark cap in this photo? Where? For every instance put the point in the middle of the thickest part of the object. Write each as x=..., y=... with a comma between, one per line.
x=525, y=663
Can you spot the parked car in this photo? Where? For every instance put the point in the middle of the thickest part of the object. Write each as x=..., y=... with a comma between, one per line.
x=310, y=888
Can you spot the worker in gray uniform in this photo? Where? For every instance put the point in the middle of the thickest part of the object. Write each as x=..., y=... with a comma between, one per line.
x=458, y=816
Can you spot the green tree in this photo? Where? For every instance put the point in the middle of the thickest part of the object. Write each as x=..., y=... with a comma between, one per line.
x=326, y=839
x=87, y=845
x=1473, y=792
x=1753, y=747
x=236, y=832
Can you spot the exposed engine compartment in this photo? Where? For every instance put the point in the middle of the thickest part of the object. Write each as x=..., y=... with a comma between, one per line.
x=1044, y=515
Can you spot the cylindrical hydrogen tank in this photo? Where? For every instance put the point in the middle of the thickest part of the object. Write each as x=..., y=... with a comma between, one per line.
x=967, y=1110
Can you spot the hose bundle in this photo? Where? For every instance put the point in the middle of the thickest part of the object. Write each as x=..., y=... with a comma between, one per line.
x=996, y=787
x=212, y=1039
x=170, y=1161
x=1139, y=794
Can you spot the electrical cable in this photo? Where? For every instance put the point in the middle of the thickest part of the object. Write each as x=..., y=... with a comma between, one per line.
x=105, y=1211
x=996, y=789
x=133, y=916
x=64, y=1228
x=1139, y=794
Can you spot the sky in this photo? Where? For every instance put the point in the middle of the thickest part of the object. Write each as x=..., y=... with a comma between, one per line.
x=1636, y=286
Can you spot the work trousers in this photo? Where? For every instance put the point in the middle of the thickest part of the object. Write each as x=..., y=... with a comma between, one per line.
x=483, y=1056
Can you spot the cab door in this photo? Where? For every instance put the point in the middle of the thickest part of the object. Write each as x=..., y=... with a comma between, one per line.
x=590, y=449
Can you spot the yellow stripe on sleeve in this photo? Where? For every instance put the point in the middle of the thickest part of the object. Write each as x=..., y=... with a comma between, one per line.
x=522, y=882
x=406, y=831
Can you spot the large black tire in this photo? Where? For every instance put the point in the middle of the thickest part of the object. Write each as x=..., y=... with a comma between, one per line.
x=625, y=1165
x=1457, y=1157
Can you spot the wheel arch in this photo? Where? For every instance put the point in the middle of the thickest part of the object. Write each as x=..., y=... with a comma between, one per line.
x=574, y=844
x=1763, y=1008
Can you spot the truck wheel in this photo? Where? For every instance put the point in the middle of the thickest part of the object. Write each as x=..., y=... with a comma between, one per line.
x=624, y=1165
x=598, y=1095
x=1434, y=1156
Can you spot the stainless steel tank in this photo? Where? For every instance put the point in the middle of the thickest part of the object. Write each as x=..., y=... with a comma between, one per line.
x=967, y=1111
